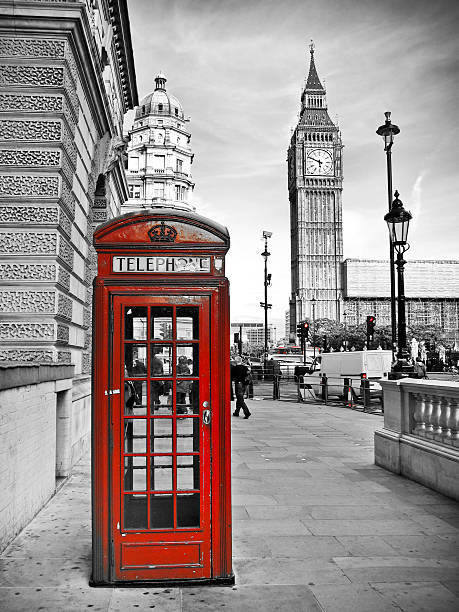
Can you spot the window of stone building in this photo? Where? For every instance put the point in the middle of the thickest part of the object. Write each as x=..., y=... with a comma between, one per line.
x=134, y=164
x=158, y=190
x=131, y=191
x=160, y=121
x=160, y=107
x=137, y=192
x=176, y=111
x=179, y=165
x=159, y=162
x=177, y=192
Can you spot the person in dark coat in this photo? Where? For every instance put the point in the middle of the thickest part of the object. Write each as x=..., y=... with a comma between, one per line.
x=239, y=374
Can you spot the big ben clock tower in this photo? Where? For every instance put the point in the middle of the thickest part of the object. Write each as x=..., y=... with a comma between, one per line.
x=315, y=176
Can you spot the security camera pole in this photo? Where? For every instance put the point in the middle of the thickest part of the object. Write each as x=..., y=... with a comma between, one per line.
x=267, y=282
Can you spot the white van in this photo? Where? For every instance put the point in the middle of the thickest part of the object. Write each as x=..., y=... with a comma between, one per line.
x=373, y=365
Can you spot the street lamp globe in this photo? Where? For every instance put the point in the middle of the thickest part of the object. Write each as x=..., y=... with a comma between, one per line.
x=398, y=221
x=388, y=130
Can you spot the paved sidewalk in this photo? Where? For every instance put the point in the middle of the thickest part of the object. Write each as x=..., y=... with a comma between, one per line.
x=316, y=527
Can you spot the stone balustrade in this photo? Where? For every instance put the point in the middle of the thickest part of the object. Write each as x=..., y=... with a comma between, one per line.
x=435, y=416
x=420, y=438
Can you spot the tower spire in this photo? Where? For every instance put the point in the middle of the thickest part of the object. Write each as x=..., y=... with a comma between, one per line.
x=313, y=81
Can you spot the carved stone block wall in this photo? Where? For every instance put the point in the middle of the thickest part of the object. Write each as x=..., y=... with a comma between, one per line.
x=40, y=77
x=33, y=243
x=24, y=272
x=15, y=354
x=29, y=185
x=24, y=301
x=45, y=215
x=12, y=330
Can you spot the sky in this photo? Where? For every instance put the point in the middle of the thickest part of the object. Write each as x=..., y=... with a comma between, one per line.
x=238, y=67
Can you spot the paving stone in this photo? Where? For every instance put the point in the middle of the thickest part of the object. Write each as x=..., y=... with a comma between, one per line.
x=61, y=599
x=278, y=598
x=287, y=571
x=161, y=600
x=415, y=597
x=304, y=547
x=278, y=512
x=361, y=527
x=239, y=513
x=368, y=545
x=250, y=547
x=420, y=545
x=352, y=597
x=269, y=527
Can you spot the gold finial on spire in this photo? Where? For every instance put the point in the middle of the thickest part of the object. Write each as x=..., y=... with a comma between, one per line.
x=312, y=47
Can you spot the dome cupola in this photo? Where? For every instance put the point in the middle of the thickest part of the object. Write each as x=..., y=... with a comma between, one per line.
x=160, y=102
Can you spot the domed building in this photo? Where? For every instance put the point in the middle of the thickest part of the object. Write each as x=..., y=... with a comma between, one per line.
x=159, y=153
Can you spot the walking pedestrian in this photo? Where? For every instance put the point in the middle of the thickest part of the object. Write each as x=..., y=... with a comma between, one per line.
x=239, y=376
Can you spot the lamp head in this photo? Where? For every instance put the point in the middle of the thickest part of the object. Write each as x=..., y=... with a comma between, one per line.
x=388, y=131
x=398, y=222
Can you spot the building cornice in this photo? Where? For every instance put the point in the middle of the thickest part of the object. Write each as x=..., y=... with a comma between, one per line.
x=119, y=17
x=69, y=20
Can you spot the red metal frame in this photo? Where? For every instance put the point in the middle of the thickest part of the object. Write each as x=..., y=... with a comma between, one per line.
x=210, y=292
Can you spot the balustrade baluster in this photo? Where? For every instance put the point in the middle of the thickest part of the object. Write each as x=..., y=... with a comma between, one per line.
x=436, y=414
x=419, y=414
x=428, y=415
x=444, y=419
x=454, y=421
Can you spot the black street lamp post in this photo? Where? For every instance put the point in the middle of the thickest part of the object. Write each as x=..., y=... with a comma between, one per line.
x=388, y=131
x=398, y=221
x=345, y=329
x=267, y=281
x=313, y=304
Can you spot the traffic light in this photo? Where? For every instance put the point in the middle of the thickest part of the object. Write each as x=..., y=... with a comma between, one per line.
x=371, y=322
x=302, y=330
x=299, y=331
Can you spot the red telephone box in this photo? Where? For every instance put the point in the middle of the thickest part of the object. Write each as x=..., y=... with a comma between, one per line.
x=161, y=475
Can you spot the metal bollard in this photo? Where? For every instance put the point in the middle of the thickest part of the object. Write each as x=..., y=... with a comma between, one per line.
x=324, y=383
x=300, y=381
x=347, y=392
x=365, y=392
x=276, y=394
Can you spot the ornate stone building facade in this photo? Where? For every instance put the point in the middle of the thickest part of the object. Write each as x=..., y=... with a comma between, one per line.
x=159, y=153
x=315, y=179
x=431, y=290
x=66, y=79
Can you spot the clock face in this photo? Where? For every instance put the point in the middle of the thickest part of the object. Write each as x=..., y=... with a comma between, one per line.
x=319, y=161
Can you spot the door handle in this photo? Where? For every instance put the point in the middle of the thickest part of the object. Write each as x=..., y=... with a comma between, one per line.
x=206, y=417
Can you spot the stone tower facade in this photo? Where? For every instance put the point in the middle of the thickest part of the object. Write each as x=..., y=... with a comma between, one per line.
x=159, y=153
x=315, y=176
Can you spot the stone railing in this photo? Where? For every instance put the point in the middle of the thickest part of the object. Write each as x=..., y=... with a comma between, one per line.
x=435, y=416
x=420, y=438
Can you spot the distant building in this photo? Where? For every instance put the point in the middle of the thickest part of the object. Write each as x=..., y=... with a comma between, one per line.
x=254, y=333
x=159, y=153
x=431, y=289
